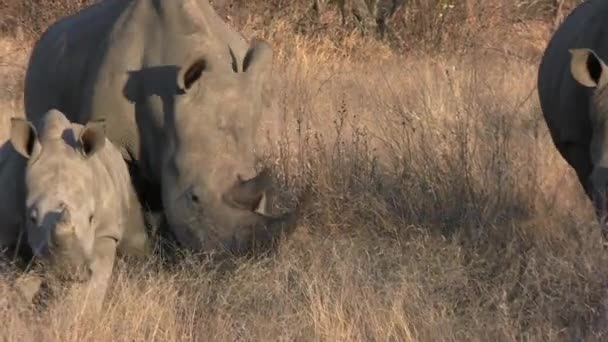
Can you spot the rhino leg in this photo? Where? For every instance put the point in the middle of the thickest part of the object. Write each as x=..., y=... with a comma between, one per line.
x=28, y=286
x=94, y=290
x=135, y=243
x=135, y=239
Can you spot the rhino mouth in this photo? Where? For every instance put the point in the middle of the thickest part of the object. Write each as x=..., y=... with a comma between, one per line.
x=56, y=267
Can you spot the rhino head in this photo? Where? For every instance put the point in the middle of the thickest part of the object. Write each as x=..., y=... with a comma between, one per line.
x=212, y=195
x=60, y=210
x=590, y=71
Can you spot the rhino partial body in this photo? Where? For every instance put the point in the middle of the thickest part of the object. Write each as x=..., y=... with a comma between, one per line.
x=76, y=204
x=182, y=95
x=573, y=93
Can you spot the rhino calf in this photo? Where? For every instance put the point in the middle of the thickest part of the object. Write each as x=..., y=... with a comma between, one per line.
x=70, y=188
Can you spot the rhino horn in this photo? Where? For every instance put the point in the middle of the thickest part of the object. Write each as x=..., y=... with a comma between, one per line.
x=247, y=194
x=267, y=230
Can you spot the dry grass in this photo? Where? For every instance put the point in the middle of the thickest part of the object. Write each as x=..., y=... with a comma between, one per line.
x=442, y=212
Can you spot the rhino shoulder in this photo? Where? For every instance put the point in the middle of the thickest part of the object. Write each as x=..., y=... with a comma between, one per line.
x=12, y=169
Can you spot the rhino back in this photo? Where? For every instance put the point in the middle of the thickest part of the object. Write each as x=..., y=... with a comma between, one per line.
x=564, y=103
x=61, y=60
x=83, y=64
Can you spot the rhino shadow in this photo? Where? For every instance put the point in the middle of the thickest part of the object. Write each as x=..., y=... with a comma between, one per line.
x=141, y=84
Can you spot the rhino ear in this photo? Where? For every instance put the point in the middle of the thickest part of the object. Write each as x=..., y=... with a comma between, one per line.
x=257, y=65
x=587, y=68
x=24, y=138
x=258, y=60
x=191, y=73
x=92, y=137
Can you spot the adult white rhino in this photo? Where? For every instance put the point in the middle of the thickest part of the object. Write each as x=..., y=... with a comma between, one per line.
x=182, y=95
x=573, y=92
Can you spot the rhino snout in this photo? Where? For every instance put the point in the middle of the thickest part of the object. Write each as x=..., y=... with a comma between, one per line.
x=264, y=231
x=247, y=194
x=47, y=228
x=63, y=229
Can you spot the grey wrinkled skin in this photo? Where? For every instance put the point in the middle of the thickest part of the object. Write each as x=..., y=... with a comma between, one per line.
x=182, y=96
x=70, y=192
x=573, y=92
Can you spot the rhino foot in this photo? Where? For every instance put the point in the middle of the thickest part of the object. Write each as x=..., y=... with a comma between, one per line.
x=28, y=286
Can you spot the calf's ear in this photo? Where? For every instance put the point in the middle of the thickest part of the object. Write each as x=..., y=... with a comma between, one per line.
x=24, y=138
x=92, y=137
x=587, y=67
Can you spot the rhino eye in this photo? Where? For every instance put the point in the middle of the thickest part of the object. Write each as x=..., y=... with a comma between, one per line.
x=34, y=215
x=91, y=219
x=194, y=198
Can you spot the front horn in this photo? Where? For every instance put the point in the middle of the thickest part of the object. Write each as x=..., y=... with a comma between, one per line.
x=247, y=194
x=265, y=231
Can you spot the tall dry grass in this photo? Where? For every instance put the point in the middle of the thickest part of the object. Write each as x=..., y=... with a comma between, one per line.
x=441, y=212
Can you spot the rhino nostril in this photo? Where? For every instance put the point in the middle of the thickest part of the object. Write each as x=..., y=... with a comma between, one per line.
x=193, y=197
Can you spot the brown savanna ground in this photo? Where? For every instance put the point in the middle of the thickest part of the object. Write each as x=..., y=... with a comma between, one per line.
x=442, y=210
